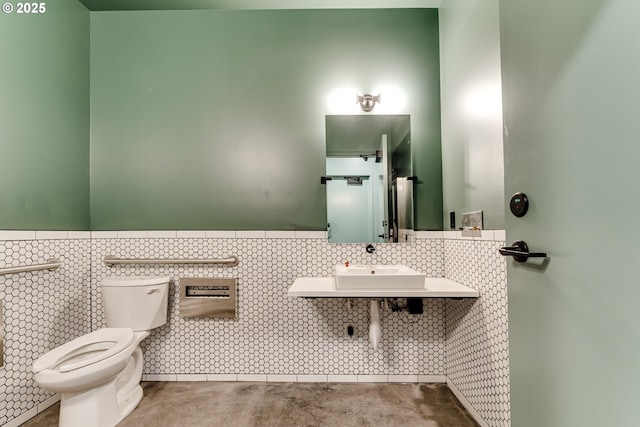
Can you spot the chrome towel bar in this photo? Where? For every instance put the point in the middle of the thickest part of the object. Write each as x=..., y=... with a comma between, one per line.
x=52, y=265
x=110, y=261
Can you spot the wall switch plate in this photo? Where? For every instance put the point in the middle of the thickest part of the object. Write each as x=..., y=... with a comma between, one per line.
x=472, y=224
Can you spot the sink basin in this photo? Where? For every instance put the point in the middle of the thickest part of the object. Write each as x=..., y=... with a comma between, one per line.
x=378, y=277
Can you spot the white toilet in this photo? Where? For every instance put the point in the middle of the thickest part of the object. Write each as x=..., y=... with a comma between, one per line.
x=98, y=374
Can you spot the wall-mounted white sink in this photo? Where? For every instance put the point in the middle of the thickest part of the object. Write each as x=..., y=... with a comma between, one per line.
x=391, y=277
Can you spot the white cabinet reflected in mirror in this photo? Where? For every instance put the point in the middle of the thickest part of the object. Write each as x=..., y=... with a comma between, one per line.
x=369, y=179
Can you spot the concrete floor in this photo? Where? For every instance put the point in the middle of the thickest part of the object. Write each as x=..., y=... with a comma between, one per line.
x=239, y=404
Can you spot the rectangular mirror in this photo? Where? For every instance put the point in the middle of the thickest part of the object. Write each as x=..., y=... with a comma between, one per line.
x=369, y=179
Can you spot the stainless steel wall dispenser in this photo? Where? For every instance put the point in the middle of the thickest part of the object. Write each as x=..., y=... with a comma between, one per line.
x=208, y=297
x=402, y=190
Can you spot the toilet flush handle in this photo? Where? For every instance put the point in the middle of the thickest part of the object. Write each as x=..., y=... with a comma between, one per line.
x=152, y=291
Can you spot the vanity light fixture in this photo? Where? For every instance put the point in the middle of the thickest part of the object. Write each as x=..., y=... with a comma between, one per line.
x=367, y=101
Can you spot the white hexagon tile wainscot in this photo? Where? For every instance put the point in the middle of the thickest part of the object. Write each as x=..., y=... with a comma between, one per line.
x=477, y=331
x=41, y=310
x=275, y=337
x=275, y=334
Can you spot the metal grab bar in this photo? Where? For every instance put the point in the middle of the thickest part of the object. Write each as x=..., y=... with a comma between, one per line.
x=52, y=264
x=110, y=261
x=520, y=252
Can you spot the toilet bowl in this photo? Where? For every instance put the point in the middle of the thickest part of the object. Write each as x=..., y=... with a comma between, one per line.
x=98, y=374
x=91, y=359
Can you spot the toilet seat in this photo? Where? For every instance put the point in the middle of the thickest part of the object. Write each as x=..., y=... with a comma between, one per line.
x=85, y=350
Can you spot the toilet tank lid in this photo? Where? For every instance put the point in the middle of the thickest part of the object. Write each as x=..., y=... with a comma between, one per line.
x=134, y=280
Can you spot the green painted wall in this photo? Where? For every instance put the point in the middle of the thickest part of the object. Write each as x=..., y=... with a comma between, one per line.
x=472, y=154
x=215, y=119
x=44, y=118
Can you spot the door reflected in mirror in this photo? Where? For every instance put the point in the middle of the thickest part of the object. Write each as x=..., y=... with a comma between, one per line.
x=369, y=179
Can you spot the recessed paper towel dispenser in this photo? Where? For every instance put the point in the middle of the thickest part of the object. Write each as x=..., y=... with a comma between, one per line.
x=208, y=297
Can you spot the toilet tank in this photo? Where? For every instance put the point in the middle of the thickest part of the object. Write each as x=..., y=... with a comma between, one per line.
x=139, y=303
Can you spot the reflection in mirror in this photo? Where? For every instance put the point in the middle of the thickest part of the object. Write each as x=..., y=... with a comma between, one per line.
x=369, y=179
